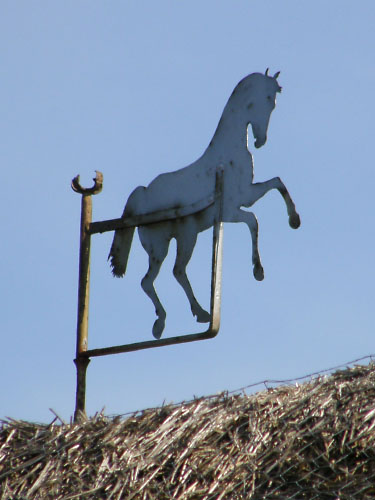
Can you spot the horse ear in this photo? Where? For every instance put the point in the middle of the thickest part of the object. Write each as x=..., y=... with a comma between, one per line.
x=266, y=73
x=276, y=75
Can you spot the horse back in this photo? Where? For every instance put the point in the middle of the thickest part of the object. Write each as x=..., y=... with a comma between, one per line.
x=174, y=190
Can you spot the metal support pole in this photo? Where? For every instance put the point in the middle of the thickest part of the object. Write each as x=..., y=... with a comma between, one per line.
x=81, y=361
x=80, y=409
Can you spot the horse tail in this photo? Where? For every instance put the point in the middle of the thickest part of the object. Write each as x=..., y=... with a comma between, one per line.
x=122, y=241
x=120, y=249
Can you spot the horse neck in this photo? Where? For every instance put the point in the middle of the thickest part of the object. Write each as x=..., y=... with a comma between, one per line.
x=231, y=132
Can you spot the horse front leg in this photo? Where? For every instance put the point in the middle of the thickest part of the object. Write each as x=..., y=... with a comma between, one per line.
x=259, y=189
x=252, y=223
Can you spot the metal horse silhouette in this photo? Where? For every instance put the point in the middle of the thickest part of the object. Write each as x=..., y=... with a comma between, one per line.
x=251, y=102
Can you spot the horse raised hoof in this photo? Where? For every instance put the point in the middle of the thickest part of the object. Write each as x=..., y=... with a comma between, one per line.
x=158, y=328
x=294, y=221
x=258, y=272
x=203, y=316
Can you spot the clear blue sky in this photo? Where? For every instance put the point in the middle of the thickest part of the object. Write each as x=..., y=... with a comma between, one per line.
x=134, y=89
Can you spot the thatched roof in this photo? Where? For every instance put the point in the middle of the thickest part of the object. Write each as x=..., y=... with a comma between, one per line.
x=314, y=440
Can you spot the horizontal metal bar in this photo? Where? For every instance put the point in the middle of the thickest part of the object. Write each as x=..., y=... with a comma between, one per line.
x=109, y=225
x=182, y=339
x=151, y=218
x=137, y=346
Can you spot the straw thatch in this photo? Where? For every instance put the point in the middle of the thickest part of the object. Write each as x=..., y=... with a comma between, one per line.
x=314, y=440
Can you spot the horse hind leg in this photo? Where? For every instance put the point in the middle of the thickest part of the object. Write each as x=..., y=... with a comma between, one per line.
x=250, y=219
x=157, y=249
x=185, y=247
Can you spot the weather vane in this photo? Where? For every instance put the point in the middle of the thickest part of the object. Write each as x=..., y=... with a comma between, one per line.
x=251, y=102
x=214, y=189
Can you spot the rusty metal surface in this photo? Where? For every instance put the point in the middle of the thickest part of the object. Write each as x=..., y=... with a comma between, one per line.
x=84, y=274
x=95, y=189
x=80, y=407
x=84, y=289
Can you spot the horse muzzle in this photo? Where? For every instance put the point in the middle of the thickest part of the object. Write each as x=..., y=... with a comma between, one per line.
x=260, y=142
x=259, y=134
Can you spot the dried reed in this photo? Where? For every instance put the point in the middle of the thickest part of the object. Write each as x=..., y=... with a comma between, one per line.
x=314, y=440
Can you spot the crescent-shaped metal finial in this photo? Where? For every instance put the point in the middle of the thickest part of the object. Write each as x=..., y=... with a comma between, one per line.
x=97, y=187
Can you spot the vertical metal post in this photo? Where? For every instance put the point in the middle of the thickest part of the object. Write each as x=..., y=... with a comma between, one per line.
x=80, y=361
x=217, y=254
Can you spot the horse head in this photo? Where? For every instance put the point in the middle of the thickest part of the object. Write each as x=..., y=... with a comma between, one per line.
x=256, y=97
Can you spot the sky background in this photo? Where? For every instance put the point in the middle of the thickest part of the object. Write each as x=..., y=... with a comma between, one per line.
x=134, y=89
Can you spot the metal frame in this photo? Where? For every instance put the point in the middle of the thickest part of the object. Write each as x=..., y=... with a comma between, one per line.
x=83, y=354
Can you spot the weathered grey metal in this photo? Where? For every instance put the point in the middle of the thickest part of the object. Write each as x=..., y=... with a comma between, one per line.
x=251, y=103
x=84, y=288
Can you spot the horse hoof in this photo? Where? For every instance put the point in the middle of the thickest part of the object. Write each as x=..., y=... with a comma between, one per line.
x=158, y=328
x=258, y=272
x=203, y=317
x=294, y=221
